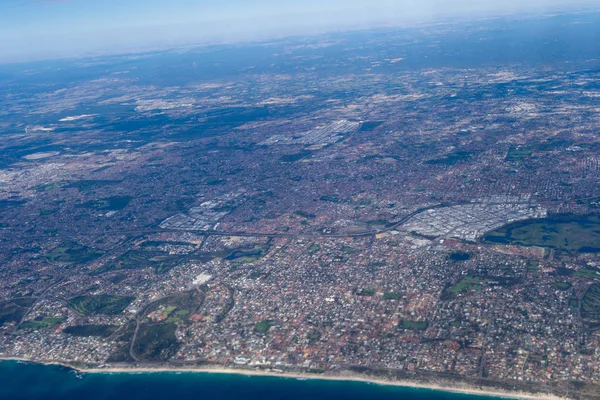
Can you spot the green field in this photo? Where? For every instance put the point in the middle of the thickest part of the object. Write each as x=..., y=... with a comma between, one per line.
x=588, y=273
x=568, y=233
x=175, y=308
x=517, y=155
x=467, y=284
x=101, y=304
x=263, y=327
x=160, y=261
x=314, y=248
x=72, y=252
x=562, y=285
x=413, y=325
x=533, y=265
x=47, y=187
x=590, y=304
x=44, y=323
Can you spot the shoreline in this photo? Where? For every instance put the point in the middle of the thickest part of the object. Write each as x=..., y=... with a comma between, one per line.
x=347, y=377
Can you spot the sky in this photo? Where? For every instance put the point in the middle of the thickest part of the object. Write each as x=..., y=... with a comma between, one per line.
x=42, y=29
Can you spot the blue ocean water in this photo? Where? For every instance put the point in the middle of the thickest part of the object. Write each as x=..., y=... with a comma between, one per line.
x=31, y=381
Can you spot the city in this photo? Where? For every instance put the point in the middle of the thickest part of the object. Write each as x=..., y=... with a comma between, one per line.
x=312, y=207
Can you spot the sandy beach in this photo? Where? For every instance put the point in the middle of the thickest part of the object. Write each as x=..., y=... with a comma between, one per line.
x=458, y=388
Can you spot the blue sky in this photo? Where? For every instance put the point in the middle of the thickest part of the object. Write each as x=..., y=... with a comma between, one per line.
x=38, y=29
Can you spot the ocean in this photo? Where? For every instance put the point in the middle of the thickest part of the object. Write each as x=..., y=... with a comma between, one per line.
x=28, y=381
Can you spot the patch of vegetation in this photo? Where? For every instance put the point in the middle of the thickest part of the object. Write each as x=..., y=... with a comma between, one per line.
x=227, y=309
x=331, y=199
x=562, y=271
x=533, y=265
x=120, y=355
x=123, y=338
x=118, y=278
x=90, y=330
x=590, y=304
x=149, y=244
x=14, y=310
x=413, y=325
x=156, y=342
x=314, y=248
x=100, y=304
x=290, y=158
x=10, y=203
x=115, y=203
x=366, y=292
x=316, y=371
x=247, y=255
x=182, y=313
x=160, y=261
x=73, y=252
x=257, y=275
x=214, y=182
x=573, y=303
x=588, y=273
x=44, y=323
x=567, y=233
x=305, y=215
x=48, y=187
x=518, y=154
x=263, y=327
x=563, y=285
x=368, y=126
x=44, y=213
x=391, y=296
x=459, y=256
x=349, y=250
x=313, y=337
x=174, y=308
x=554, y=143
x=467, y=284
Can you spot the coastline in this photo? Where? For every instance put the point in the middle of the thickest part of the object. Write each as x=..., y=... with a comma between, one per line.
x=344, y=377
